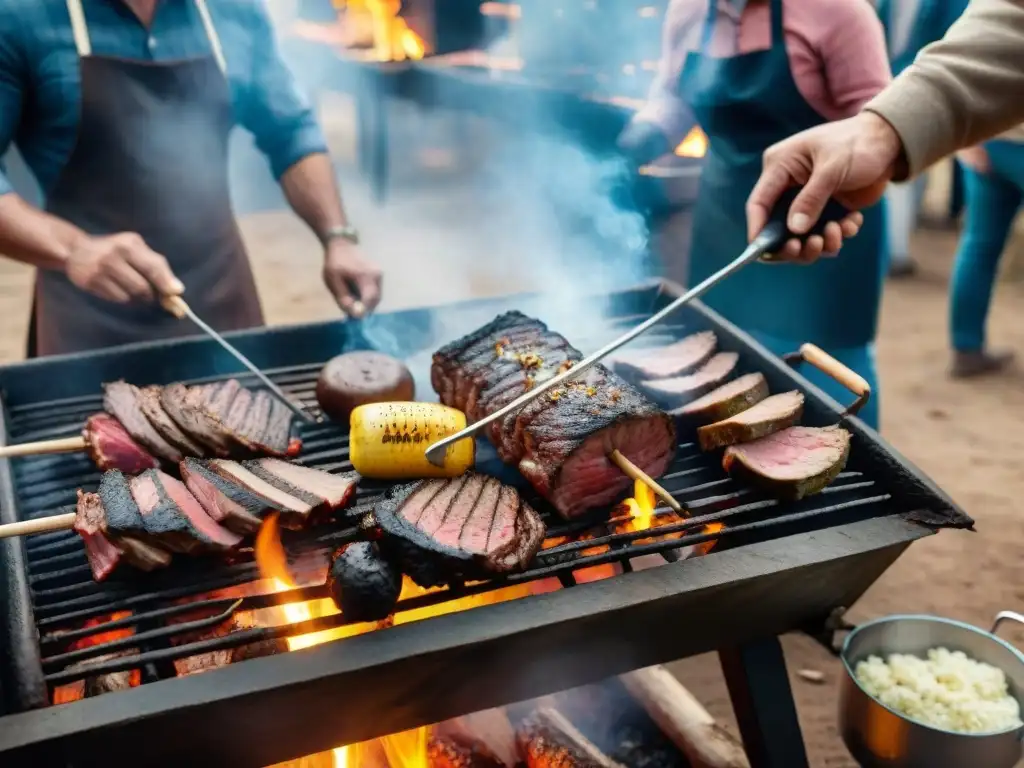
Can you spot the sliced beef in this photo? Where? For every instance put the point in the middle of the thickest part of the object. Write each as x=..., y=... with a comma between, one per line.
x=729, y=399
x=90, y=523
x=258, y=423
x=329, y=489
x=675, y=392
x=122, y=511
x=459, y=528
x=111, y=447
x=561, y=440
x=149, y=401
x=793, y=463
x=295, y=511
x=189, y=408
x=174, y=518
x=231, y=505
x=364, y=584
x=678, y=359
x=278, y=433
x=770, y=415
x=121, y=400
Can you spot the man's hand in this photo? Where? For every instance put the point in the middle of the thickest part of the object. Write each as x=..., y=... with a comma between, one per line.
x=851, y=160
x=120, y=268
x=975, y=158
x=354, y=280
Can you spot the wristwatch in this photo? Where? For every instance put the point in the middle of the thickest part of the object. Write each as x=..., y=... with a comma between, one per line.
x=345, y=231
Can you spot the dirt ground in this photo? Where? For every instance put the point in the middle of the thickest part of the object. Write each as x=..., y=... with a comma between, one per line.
x=969, y=436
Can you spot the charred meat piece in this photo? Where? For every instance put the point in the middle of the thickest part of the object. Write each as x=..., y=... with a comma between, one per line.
x=678, y=359
x=257, y=422
x=768, y=416
x=547, y=740
x=295, y=512
x=111, y=447
x=149, y=402
x=364, y=585
x=333, y=491
x=459, y=528
x=447, y=753
x=680, y=390
x=90, y=524
x=233, y=506
x=560, y=441
x=121, y=400
x=188, y=408
x=729, y=399
x=173, y=517
x=122, y=512
x=793, y=463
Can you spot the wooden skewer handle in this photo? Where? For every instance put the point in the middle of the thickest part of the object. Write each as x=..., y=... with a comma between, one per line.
x=633, y=471
x=41, y=525
x=175, y=305
x=824, y=362
x=61, y=445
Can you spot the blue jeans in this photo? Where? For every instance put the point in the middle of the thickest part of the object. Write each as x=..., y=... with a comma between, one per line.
x=860, y=359
x=992, y=201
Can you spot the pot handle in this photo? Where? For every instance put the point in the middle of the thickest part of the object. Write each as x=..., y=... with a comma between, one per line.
x=1006, y=616
x=824, y=362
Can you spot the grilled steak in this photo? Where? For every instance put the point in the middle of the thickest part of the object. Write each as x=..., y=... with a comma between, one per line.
x=459, y=528
x=149, y=401
x=111, y=447
x=547, y=740
x=236, y=508
x=257, y=422
x=561, y=440
x=121, y=400
x=793, y=463
x=122, y=512
x=761, y=420
x=680, y=390
x=90, y=523
x=726, y=401
x=364, y=585
x=333, y=491
x=294, y=511
x=173, y=517
x=678, y=359
x=188, y=408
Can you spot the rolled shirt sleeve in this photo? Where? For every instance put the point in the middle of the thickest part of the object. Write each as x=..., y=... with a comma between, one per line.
x=280, y=118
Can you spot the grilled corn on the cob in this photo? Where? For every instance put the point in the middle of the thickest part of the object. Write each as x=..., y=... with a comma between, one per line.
x=388, y=441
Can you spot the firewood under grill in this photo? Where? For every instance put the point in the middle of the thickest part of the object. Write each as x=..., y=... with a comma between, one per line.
x=562, y=440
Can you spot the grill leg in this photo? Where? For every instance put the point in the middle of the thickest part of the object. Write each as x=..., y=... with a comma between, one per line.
x=763, y=702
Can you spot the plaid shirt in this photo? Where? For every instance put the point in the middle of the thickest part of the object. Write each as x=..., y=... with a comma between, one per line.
x=40, y=89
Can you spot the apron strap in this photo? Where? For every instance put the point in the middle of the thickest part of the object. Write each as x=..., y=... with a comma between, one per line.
x=84, y=47
x=778, y=31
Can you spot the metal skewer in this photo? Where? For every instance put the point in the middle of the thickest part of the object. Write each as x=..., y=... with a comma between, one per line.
x=180, y=309
x=771, y=238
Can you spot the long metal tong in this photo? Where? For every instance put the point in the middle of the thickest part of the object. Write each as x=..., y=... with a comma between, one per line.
x=771, y=239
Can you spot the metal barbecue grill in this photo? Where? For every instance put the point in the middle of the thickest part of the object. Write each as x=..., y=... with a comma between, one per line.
x=777, y=567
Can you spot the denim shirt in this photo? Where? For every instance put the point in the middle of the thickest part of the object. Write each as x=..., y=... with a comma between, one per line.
x=40, y=88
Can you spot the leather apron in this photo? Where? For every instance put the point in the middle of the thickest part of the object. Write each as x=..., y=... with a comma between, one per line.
x=150, y=158
x=745, y=104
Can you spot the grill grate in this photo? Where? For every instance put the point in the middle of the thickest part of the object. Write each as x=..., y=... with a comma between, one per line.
x=65, y=597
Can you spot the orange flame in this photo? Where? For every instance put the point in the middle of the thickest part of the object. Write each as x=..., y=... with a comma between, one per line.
x=393, y=40
x=694, y=145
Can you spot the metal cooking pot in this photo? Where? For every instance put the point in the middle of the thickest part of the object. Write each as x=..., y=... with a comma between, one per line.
x=879, y=737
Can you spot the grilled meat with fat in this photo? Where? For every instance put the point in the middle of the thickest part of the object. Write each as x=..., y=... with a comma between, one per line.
x=121, y=400
x=793, y=463
x=468, y=527
x=149, y=402
x=111, y=447
x=188, y=408
x=678, y=359
x=768, y=416
x=105, y=551
x=677, y=391
x=173, y=517
x=729, y=399
x=561, y=440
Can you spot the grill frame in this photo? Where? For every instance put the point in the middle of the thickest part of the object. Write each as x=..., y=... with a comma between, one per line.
x=800, y=580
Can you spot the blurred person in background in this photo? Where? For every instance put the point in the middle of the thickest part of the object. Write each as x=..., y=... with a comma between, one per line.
x=751, y=73
x=122, y=109
x=910, y=25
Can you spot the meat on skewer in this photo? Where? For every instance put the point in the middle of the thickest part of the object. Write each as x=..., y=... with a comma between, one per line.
x=142, y=520
x=142, y=428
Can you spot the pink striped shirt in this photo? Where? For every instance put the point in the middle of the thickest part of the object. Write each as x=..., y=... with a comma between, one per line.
x=836, y=53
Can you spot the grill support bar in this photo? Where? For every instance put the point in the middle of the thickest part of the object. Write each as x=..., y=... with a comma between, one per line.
x=313, y=700
x=25, y=688
x=762, y=699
